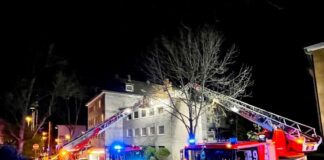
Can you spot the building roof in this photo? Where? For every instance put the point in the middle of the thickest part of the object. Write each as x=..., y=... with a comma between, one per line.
x=310, y=49
x=140, y=88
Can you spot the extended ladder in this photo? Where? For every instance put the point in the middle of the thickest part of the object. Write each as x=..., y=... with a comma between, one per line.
x=265, y=119
x=81, y=141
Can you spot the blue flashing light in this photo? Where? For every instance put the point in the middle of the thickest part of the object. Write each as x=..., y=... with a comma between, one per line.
x=233, y=140
x=118, y=147
x=192, y=139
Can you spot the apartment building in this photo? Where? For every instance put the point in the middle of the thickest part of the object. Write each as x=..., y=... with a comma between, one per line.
x=96, y=115
x=151, y=125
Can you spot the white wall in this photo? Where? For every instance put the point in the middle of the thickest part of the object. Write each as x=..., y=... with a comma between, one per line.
x=113, y=102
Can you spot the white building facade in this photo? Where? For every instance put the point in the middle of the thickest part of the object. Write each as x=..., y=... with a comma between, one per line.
x=151, y=125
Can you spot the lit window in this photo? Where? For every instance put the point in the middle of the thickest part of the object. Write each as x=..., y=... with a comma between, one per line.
x=160, y=110
x=129, y=132
x=151, y=111
x=137, y=132
x=144, y=131
x=99, y=104
x=136, y=114
x=152, y=130
x=129, y=87
x=143, y=113
x=102, y=117
x=161, y=129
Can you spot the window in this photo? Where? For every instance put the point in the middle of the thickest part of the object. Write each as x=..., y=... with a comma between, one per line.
x=160, y=110
x=102, y=117
x=91, y=109
x=152, y=130
x=161, y=129
x=129, y=117
x=161, y=146
x=129, y=132
x=151, y=112
x=144, y=131
x=143, y=113
x=99, y=103
x=137, y=132
x=136, y=114
x=129, y=87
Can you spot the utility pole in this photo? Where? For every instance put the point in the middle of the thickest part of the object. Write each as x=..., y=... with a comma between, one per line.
x=49, y=137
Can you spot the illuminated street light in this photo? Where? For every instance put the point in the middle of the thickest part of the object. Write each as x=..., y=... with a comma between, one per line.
x=44, y=133
x=28, y=120
x=67, y=137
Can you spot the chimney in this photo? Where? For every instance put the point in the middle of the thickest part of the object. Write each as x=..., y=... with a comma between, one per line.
x=129, y=78
x=129, y=86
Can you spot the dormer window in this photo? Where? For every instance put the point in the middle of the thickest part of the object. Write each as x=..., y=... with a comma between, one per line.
x=129, y=87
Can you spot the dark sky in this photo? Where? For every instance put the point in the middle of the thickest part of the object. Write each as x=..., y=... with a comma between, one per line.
x=101, y=40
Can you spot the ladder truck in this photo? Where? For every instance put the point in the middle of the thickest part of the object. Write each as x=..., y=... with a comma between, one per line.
x=77, y=144
x=289, y=139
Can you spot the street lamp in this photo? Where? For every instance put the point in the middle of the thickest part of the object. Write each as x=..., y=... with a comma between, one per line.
x=28, y=120
x=67, y=137
x=44, y=136
x=34, y=109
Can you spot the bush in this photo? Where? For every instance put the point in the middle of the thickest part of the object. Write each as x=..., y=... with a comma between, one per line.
x=149, y=152
x=162, y=153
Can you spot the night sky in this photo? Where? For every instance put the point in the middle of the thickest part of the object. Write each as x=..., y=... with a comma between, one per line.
x=100, y=40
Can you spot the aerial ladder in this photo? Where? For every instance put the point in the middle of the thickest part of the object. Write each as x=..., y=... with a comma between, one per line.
x=83, y=140
x=299, y=137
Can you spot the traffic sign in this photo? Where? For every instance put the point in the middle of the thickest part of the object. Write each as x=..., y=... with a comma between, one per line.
x=35, y=146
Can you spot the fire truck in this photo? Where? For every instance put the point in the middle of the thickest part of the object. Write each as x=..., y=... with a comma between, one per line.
x=283, y=139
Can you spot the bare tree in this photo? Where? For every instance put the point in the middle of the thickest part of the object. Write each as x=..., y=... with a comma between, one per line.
x=196, y=56
x=73, y=95
x=19, y=100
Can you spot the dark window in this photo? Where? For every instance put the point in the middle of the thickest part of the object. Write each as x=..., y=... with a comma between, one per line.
x=161, y=129
x=129, y=132
x=152, y=130
x=151, y=111
x=137, y=132
x=144, y=131
x=136, y=114
x=143, y=113
x=160, y=110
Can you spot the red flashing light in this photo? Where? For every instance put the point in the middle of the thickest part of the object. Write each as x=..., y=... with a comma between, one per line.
x=63, y=153
x=300, y=140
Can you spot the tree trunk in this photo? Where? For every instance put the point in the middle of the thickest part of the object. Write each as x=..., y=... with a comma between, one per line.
x=21, y=143
x=21, y=139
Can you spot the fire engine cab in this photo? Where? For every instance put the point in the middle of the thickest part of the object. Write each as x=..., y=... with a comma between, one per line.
x=228, y=151
x=264, y=149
